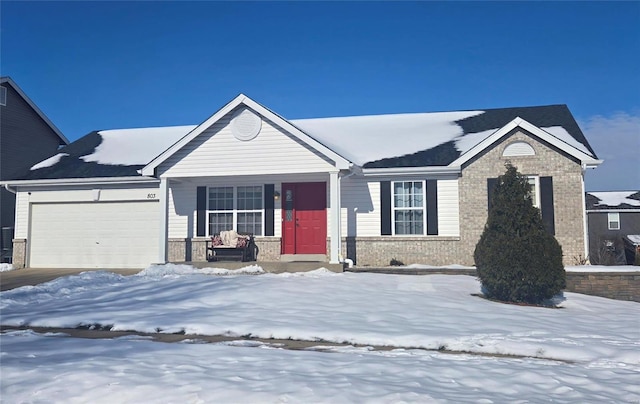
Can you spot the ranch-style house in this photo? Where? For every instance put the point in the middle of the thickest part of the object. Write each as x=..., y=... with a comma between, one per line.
x=369, y=189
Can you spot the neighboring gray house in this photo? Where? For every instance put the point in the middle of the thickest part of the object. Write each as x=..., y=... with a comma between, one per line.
x=413, y=187
x=613, y=220
x=26, y=137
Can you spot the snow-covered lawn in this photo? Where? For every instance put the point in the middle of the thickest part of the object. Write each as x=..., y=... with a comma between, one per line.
x=600, y=338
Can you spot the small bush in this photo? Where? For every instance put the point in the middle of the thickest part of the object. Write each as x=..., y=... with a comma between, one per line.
x=516, y=259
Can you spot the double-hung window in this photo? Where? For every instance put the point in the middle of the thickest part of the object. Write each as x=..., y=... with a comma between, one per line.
x=408, y=205
x=614, y=220
x=238, y=208
x=534, y=182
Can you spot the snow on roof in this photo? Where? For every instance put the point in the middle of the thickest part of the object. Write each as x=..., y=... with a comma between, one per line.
x=466, y=142
x=135, y=146
x=615, y=198
x=49, y=162
x=373, y=137
x=562, y=134
x=634, y=238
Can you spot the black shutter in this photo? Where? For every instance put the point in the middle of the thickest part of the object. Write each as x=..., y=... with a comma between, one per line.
x=385, y=208
x=268, y=209
x=491, y=187
x=432, y=207
x=201, y=212
x=546, y=204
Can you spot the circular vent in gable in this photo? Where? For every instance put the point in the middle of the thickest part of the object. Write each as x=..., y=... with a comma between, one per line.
x=245, y=124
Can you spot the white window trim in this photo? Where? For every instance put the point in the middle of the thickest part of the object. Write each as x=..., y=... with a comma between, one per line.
x=234, y=212
x=394, y=209
x=3, y=95
x=616, y=219
x=536, y=184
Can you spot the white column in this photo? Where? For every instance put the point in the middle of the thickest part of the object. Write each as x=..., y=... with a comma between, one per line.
x=334, y=195
x=163, y=198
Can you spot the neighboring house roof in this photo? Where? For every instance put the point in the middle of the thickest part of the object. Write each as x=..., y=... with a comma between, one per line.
x=9, y=81
x=378, y=141
x=613, y=200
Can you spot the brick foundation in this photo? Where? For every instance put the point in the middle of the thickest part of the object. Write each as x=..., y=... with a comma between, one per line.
x=379, y=251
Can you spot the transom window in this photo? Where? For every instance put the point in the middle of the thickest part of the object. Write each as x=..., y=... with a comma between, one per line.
x=409, y=214
x=236, y=208
x=614, y=220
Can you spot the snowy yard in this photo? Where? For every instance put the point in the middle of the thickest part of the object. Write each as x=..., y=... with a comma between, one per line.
x=587, y=351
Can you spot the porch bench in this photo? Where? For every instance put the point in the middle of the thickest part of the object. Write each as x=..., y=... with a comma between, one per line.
x=231, y=246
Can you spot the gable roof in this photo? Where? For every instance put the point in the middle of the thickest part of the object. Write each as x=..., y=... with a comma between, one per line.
x=242, y=99
x=435, y=141
x=613, y=200
x=9, y=81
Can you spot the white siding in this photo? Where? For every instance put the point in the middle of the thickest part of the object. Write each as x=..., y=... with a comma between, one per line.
x=448, y=208
x=22, y=215
x=216, y=152
x=360, y=207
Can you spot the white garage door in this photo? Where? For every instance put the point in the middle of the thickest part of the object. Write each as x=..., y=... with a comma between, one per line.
x=94, y=235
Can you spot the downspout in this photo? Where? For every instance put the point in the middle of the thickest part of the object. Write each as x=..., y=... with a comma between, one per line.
x=584, y=216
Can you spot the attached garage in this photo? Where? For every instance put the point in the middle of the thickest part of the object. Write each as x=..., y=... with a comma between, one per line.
x=94, y=234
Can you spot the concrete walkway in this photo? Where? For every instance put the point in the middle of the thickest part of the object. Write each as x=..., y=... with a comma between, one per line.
x=34, y=276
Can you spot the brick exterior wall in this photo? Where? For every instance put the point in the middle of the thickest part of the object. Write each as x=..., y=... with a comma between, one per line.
x=181, y=250
x=619, y=285
x=268, y=248
x=567, y=194
x=379, y=251
x=177, y=250
x=19, y=259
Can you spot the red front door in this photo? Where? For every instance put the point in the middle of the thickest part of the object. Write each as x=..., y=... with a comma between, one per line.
x=304, y=218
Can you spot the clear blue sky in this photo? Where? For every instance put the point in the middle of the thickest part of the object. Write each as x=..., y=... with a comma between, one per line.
x=106, y=65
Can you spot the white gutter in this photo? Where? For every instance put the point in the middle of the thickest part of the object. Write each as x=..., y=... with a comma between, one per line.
x=613, y=210
x=13, y=191
x=592, y=163
x=82, y=181
x=441, y=170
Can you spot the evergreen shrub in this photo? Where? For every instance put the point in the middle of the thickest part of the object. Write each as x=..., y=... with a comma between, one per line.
x=516, y=258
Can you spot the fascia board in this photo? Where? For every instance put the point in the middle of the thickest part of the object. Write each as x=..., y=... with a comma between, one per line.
x=153, y=164
x=81, y=181
x=384, y=172
x=33, y=106
x=534, y=130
